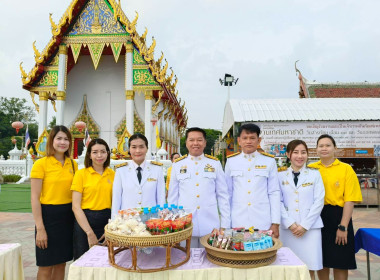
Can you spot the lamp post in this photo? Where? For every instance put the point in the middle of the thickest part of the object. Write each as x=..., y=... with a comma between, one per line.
x=228, y=81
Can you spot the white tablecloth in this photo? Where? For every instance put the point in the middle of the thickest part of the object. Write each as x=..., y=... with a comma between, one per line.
x=94, y=265
x=11, y=267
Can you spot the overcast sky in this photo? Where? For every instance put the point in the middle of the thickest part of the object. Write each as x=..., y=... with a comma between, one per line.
x=255, y=41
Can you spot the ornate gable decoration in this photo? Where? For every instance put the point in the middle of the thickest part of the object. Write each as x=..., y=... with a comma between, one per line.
x=96, y=18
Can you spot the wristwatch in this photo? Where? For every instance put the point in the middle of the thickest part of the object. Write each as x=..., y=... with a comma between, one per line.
x=341, y=228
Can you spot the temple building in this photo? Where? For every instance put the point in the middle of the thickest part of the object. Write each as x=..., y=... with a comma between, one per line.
x=98, y=70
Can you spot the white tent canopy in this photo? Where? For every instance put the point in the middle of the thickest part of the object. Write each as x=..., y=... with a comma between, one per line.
x=305, y=109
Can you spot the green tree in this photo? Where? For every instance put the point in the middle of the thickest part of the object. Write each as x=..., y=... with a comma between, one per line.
x=211, y=136
x=14, y=109
x=52, y=123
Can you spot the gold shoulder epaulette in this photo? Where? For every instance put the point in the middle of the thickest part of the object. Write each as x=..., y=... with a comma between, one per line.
x=214, y=158
x=121, y=165
x=157, y=163
x=235, y=154
x=181, y=158
x=266, y=154
x=282, y=168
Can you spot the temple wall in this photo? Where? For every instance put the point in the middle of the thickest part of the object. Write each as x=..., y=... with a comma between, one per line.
x=105, y=93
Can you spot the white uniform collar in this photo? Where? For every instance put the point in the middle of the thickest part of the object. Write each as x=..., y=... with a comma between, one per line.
x=194, y=158
x=251, y=155
x=301, y=170
x=135, y=165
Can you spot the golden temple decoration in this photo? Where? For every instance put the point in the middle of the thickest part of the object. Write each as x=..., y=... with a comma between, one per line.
x=128, y=47
x=61, y=95
x=43, y=96
x=159, y=115
x=37, y=55
x=116, y=50
x=161, y=76
x=24, y=76
x=154, y=108
x=169, y=79
x=148, y=94
x=62, y=49
x=54, y=28
x=122, y=143
x=166, y=115
x=75, y=49
x=176, y=94
x=84, y=115
x=55, y=61
x=96, y=27
x=34, y=102
x=129, y=94
x=149, y=55
x=42, y=143
x=96, y=51
x=137, y=59
x=53, y=103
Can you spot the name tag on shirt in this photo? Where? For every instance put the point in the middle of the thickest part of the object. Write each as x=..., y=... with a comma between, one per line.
x=307, y=184
x=209, y=168
x=151, y=180
x=183, y=169
x=260, y=166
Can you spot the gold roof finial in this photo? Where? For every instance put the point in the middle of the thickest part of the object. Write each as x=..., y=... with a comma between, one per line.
x=54, y=28
x=23, y=73
x=131, y=28
x=37, y=54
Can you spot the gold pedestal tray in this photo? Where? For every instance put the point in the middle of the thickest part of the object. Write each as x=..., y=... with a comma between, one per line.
x=241, y=259
x=118, y=243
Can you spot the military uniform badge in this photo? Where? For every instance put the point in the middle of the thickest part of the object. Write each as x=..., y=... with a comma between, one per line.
x=183, y=169
x=209, y=168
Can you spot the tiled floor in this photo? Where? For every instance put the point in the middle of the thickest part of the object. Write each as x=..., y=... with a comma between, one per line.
x=19, y=228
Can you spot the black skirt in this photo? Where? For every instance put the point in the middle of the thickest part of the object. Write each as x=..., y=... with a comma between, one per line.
x=334, y=255
x=59, y=223
x=97, y=219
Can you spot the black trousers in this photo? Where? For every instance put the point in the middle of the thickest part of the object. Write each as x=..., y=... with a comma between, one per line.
x=97, y=219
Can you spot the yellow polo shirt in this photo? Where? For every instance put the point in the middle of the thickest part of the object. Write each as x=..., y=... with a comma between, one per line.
x=341, y=183
x=96, y=189
x=56, y=179
x=168, y=172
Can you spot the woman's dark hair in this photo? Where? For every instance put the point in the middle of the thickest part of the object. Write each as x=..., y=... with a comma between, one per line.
x=53, y=132
x=172, y=156
x=196, y=129
x=326, y=136
x=137, y=136
x=250, y=128
x=88, y=160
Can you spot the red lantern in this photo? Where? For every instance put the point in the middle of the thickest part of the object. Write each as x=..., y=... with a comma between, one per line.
x=80, y=125
x=17, y=125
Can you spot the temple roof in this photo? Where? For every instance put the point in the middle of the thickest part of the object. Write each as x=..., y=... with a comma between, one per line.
x=304, y=109
x=63, y=32
x=313, y=89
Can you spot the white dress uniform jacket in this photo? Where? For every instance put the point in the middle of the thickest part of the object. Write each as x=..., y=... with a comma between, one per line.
x=198, y=183
x=127, y=192
x=254, y=190
x=302, y=204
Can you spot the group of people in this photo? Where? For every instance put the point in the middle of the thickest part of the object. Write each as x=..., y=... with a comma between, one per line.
x=308, y=207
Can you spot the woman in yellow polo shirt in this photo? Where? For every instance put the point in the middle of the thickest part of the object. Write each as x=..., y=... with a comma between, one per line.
x=51, y=179
x=342, y=191
x=92, y=196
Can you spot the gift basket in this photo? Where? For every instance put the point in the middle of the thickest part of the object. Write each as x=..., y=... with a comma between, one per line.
x=141, y=229
x=240, y=247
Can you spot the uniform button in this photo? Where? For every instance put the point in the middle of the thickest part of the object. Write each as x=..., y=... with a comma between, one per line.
x=249, y=192
x=249, y=181
x=249, y=203
x=196, y=162
x=296, y=200
x=196, y=173
x=249, y=169
x=192, y=158
x=197, y=195
x=197, y=185
x=140, y=192
x=296, y=192
x=249, y=160
x=297, y=210
x=139, y=203
x=198, y=207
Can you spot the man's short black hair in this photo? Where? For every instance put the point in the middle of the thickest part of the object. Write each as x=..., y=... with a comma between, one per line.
x=196, y=129
x=138, y=136
x=250, y=128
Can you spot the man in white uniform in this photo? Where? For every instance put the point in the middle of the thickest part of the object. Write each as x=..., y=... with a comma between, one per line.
x=253, y=184
x=198, y=183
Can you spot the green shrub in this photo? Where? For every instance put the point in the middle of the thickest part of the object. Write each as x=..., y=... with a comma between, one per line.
x=13, y=178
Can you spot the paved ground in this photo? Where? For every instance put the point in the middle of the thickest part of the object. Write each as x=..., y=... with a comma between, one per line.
x=19, y=228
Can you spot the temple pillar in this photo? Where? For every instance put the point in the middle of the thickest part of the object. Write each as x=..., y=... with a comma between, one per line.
x=42, y=116
x=148, y=118
x=61, y=87
x=129, y=94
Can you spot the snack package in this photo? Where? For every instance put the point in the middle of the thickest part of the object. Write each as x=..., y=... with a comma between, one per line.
x=256, y=246
x=248, y=246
